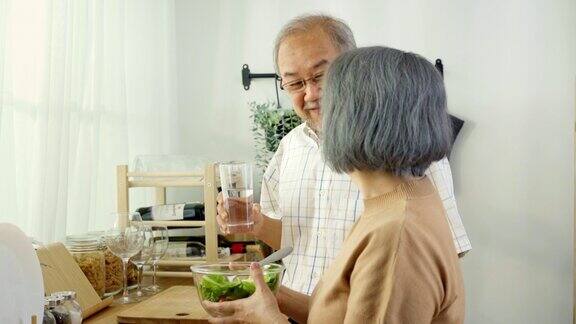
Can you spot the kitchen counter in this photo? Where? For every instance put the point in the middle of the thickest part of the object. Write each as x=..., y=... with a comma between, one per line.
x=175, y=305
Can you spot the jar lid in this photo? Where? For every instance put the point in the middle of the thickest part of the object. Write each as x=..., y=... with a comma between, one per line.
x=53, y=301
x=81, y=243
x=98, y=234
x=66, y=295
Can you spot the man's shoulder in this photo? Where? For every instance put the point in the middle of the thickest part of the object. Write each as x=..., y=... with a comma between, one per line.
x=297, y=137
x=440, y=168
x=288, y=143
x=298, y=131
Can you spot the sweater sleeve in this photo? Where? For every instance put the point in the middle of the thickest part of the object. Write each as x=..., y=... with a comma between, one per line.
x=371, y=280
x=392, y=281
x=418, y=284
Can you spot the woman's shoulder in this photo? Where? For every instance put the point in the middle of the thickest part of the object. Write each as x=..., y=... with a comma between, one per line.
x=382, y=226
x=413, y=219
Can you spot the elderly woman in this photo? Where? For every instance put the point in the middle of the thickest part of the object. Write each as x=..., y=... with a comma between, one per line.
x=384, y=122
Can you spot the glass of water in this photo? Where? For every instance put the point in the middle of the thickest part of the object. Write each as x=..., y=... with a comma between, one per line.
x=237, y=190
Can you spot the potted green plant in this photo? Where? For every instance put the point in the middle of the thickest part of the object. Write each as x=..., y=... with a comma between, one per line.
x=270, y=125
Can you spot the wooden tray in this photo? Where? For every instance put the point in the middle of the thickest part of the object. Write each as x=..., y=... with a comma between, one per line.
x=175, y=305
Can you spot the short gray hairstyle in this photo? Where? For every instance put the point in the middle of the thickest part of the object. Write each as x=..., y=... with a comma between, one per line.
x=384, y=110
x=337, y=30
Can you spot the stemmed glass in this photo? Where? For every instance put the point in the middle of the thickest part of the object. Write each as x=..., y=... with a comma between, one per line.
x=142, y=257
x=125, y=239
x=160, y=245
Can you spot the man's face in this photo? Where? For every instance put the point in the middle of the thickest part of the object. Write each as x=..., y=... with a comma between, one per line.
x=305, y=57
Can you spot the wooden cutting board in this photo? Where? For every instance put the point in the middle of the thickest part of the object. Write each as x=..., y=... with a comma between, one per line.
x=61, y=273
x=175, y=305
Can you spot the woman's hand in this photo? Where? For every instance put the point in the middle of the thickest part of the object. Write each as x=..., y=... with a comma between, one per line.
x=261, y=307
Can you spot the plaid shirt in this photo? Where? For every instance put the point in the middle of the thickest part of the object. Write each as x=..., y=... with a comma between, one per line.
x=318, y=206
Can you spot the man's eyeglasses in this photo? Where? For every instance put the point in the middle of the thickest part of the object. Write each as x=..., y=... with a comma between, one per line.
x=299, y=85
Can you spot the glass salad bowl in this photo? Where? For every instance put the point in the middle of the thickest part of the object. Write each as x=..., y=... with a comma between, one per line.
x=230, y=281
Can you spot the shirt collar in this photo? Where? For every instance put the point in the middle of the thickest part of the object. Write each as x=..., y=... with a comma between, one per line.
x=311, y=133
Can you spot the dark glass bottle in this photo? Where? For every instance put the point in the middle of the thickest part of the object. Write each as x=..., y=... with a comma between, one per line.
x=189, y=211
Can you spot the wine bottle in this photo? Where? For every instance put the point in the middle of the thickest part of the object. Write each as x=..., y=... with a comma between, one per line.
x=185, y=249
x=189, y=211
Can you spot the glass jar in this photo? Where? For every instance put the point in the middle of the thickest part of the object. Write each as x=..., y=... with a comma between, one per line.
x=113, y=266
x=48, y=317
x=88, y=252
x=114, y=274
x=69, y=301
x=60, y=313
x=132, y=275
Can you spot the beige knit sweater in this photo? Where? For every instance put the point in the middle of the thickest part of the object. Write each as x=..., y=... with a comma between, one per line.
x=397, y=265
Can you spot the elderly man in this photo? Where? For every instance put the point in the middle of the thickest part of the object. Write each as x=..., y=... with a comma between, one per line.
x=304, y=203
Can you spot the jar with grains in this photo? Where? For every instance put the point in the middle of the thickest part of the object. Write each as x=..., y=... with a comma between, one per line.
x=132, y=275
x=113, y=265
x=114, y=277
x=88, y=252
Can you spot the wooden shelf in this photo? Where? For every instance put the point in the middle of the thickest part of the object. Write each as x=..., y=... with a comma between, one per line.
x=165, y=175
x=175, y=223
x=160, y=181
x=165, y=183
x=196, y=260
x=240, y=238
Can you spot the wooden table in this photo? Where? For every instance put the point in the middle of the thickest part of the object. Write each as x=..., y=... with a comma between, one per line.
x=108, y=315
x=175, y=305
x=180, y=289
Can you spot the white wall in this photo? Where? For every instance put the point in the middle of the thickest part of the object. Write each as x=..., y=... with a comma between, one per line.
x=510, y=73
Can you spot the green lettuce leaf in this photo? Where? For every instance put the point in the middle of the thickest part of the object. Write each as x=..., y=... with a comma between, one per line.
x=217, y=288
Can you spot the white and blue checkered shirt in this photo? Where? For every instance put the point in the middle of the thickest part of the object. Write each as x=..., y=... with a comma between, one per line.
x=318, y=206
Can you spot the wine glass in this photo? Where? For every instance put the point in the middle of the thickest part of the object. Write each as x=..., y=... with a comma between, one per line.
x=125, y=239
x=160, y=245
x=142, y=257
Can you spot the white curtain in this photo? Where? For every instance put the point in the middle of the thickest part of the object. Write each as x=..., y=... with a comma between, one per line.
x=84, y=86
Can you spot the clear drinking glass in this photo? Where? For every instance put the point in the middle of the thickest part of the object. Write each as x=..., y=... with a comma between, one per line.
x=159, y=247
x=125, y=239
x=142, y=257
x=237, y=190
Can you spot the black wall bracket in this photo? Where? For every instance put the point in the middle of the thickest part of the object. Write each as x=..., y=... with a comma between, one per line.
x=439, y=66
x=247, y=79
x=247, y=76
x=457, y=123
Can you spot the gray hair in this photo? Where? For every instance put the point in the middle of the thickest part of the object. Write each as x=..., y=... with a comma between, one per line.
x=384, y=110
x=337, y=30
